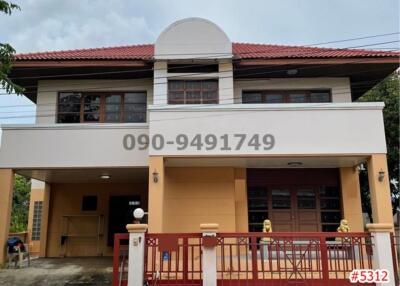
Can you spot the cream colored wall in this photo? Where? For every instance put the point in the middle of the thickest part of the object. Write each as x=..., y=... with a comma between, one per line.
x=48, y=90
x=340, y=87
x=66, y=199
x=199, y=195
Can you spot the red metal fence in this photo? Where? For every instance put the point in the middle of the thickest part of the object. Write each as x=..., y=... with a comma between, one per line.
x=120, y=259
x=251, y=258
x=173, y=259
x=395, y=239
x=291, y=258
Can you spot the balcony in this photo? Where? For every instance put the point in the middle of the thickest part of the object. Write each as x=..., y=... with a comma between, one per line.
x=70, y=146
x=275, y=129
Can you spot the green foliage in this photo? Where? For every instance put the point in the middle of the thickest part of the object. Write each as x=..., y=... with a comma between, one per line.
x=388, y=92
x=20, y=204
x=6, y=55
x=7, y=7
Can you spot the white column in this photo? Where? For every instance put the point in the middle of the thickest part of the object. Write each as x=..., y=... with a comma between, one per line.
x=382, y=249
x=225, y=83
x=136, y=254
x=209, y=255
x=160, y=91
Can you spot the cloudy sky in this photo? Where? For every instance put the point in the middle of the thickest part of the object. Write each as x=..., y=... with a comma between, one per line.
x=60, y=24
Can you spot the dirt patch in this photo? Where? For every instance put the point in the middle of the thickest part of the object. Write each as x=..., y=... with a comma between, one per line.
x=60, y=271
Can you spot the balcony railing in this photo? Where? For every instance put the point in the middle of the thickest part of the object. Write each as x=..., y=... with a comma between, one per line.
x=267, y=129
x=70, y=145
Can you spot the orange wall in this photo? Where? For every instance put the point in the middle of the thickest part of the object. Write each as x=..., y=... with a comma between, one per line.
x=202, y=195
x=36, y=195
x=66, y=199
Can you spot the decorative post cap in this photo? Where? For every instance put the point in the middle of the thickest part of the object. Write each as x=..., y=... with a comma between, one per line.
x=209, y=227
x=380, y=227
x=136, y=228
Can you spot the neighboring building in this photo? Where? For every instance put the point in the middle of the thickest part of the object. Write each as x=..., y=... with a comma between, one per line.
x=196, y=95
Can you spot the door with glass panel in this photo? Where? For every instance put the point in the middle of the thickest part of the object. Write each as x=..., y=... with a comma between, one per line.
x=282, y=209
x=307, y=215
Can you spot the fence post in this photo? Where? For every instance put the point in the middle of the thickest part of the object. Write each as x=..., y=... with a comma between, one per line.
x=136, y=253
x=209, y=247
x=382, y=249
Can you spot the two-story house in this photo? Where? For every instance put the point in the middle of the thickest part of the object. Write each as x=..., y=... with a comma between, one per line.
x=195, y=129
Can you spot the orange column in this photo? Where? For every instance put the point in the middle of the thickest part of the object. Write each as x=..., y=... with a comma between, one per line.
x=156, y=194
x=379, y=189
x=351, y=198
x=44, y=220
x=6, y=193
x=241, y=215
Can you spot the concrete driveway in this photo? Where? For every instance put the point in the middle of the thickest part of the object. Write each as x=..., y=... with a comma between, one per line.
x=60, y=271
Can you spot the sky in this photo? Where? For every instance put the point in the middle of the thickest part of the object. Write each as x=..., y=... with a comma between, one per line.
x=59, y=24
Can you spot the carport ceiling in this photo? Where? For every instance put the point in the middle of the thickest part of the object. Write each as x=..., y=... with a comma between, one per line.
x=117, y=175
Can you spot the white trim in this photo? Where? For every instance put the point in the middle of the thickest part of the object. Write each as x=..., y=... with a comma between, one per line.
x=75, y=126
x=269, y=107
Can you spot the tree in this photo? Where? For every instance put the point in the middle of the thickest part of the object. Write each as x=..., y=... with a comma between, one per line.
x=20, y=204
x=388, y=92
x=6, y=54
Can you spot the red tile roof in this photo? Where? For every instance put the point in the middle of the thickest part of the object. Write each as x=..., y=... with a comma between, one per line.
x=255, y=51
x=240, y=51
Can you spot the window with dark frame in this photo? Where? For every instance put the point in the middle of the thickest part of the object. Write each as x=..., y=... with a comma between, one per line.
x=192, y=91
x=286, y=96
x=89, y=203
x=37, y=220
x=101, y=107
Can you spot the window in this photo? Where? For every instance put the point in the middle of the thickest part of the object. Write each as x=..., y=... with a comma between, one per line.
x=330, y=207
x=89, y=203
x=37, y=219
x=192, y=91
x=110, y=107
x=281, y=199
x=286, y=96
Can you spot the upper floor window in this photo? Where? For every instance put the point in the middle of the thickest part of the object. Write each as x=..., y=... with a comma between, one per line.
x=286, y=96
x=192, y=91
x=109, y=107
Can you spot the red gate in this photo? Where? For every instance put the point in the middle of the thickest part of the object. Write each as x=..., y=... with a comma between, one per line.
x=291, y=258
x=256, y=259
x=120, y=259
x=173, y=259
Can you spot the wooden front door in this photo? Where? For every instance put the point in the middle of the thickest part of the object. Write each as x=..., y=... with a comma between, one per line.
x=294, y=199
x=282, y=212
x=290, y=208
x=307, y=209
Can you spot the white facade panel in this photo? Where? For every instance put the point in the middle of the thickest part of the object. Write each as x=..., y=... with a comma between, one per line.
x=298, y=129
x=70, y=146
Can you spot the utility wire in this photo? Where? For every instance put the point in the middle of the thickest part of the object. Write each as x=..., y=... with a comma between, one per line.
x=180, y=76
x=358, y=85
x=303, y=54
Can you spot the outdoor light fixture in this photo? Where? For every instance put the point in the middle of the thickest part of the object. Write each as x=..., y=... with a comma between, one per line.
x=155, y=176
x=295, y=164
x=381, y=175
x=138, y=213
x=105, y=177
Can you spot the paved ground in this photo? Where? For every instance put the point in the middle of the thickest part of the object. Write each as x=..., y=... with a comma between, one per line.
x=60, y=271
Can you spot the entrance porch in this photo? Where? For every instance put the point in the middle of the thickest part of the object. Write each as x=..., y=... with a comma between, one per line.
x=297, y=193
